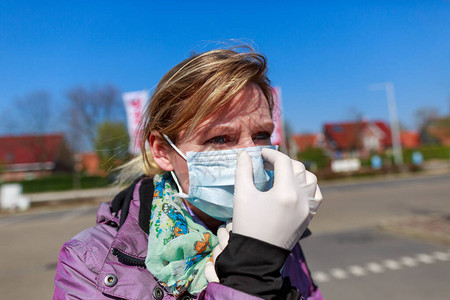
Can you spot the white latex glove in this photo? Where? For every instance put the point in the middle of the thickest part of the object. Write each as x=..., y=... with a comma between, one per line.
x=281, y=215
x=223, y=235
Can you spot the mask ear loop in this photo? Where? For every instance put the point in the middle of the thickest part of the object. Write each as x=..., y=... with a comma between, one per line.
x=181, y=193
x=174, y=147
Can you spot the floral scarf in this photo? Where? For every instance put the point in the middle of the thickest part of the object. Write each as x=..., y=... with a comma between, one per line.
x=178, y=247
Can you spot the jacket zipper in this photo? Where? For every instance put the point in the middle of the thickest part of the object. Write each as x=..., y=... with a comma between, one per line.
x=128, y=260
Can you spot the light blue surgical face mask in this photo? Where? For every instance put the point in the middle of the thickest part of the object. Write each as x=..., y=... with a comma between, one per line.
x=211, y=178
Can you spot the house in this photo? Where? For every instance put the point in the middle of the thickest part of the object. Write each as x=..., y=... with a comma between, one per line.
x=31, y=156
x=410, y=139
x=301, y=142
x=89, y=163
x=357, y=139
x=439, y=128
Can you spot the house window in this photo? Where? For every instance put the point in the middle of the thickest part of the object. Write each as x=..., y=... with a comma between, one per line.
x=338, y=129
x=371, y=143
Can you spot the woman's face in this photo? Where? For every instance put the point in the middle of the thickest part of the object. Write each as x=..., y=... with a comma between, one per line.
x=245, y=122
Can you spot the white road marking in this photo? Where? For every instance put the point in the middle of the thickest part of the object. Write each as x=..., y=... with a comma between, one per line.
x=441, y=255
x=425, y=258
x=338, y=273
x=375, y=268
x=408, y=261
x=391, y=264
x=385, y=265
x=321, y=277
x=357, y=270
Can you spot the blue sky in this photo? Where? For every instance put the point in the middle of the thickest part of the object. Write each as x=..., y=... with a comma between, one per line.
x=323, y=54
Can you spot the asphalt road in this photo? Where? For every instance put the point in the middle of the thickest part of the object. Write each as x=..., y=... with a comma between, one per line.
x=349, y=257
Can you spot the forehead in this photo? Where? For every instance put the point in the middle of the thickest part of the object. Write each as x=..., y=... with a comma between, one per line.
x=250, y=104
x=249, y=108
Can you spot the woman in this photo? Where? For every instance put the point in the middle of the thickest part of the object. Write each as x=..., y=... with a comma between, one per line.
x=208, y=125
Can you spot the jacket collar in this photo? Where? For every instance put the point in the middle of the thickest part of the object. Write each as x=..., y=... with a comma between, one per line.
x=126, y=257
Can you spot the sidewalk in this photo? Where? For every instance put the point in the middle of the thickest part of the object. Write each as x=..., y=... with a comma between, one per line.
x=106, y=194
x=99, y=193
x=435, y=228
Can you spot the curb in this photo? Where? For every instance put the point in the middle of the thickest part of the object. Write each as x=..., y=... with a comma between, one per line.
x=433, y=228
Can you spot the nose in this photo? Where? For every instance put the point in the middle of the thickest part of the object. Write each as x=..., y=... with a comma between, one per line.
x=247, y=142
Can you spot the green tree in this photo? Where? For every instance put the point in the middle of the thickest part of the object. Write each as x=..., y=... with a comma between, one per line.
x=314, y=156
x=87, y=109
x=111, y=144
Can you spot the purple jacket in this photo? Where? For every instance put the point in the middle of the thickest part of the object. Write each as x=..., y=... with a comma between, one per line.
x=89, y=268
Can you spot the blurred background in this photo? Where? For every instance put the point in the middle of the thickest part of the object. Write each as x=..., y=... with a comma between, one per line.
x=363, y=90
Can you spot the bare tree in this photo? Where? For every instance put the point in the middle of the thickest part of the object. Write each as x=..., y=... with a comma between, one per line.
x=33, y=116
x=87, y=109
x=355, y=114
x=30, y=114
x=424, y=117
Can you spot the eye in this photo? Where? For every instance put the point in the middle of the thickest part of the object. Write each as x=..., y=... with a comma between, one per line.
x=262, y=135
x=221, y=139
x=262, y=138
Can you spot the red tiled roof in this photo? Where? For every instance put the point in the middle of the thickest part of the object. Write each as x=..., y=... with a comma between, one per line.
x=303, y=141
x=30, y=148
x=387, y=139
x=410, y=139
x=347, y=135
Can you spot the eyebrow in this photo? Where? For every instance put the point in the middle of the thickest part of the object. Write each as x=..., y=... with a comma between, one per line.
x=219, y=129
x=227, y=128
x=270, y=124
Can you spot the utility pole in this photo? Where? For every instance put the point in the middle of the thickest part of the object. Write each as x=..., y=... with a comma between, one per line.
x=393, y=120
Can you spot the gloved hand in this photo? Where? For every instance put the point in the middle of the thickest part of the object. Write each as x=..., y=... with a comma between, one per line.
x=280, y=215
x=223, y=235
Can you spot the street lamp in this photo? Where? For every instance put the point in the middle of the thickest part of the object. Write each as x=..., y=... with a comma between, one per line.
x=393, y=118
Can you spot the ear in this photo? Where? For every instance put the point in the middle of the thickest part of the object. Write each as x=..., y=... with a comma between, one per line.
x=160, y=151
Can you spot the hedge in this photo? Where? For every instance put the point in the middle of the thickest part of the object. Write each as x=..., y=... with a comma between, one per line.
x=428, y=152
x=61, y=182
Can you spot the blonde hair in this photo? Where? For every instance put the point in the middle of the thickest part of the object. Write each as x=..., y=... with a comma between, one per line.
x=192, y=91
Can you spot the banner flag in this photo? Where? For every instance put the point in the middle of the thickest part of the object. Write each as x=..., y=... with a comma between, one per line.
x=277, y=135
x=135, y=103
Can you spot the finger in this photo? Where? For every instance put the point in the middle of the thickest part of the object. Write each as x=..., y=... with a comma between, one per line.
x=309, y=189
x=223, y=236
x=210, y=272
x=216, y=252
x=244, y=171
x=315, y=202
x=299, y=171
x=310, y=178
x=229, y=226
x=282, y=165
x=318, y=196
